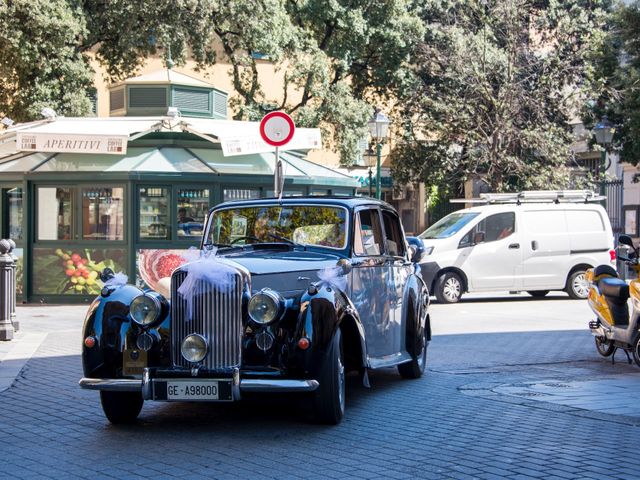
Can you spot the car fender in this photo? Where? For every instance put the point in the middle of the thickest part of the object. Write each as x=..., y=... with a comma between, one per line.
x=108, y=322
x=415, y=294
x=323, y=309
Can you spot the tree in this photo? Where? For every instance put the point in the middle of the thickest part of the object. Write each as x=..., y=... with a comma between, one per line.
x=495, y=87
x=618, y=62
x=335, y=54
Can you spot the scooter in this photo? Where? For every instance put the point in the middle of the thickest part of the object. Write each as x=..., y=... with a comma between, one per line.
x=615, y=327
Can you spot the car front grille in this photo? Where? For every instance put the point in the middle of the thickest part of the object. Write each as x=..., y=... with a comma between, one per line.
x=216, y=315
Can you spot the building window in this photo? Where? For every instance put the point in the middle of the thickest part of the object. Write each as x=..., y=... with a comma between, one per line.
x=240, y=193
x=193, y=205
x=154, y=213
x=14, y=208
x=103, y=213
x=55, y=213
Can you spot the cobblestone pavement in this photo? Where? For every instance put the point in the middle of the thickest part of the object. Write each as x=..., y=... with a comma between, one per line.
x=476, y=414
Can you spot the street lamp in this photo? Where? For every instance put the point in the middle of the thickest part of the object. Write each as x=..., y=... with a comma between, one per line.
x=370, y=160
x=379, y=130
x=603, y=131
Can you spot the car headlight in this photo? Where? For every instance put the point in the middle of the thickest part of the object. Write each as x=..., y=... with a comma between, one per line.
x=265, y=306
x=145, y=309
x=428, y=251
x=194, y=348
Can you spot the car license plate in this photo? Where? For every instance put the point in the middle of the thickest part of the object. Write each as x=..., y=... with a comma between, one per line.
x=192, y=390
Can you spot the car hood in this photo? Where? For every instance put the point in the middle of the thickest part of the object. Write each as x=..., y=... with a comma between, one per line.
x=261, y=262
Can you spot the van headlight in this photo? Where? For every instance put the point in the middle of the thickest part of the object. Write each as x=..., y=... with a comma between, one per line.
x=265, y=306
x=145, y=309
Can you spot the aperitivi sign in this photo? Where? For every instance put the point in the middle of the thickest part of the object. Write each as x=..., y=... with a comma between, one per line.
x=71, y=143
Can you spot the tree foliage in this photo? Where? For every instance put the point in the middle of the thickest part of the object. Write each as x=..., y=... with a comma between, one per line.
x=496, y=85
x=336, y=56
x=618, y=63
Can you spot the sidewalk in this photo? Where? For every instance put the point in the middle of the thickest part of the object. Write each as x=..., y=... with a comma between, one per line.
x=36, y=323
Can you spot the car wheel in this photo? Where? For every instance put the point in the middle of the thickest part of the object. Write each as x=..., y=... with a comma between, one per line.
x=604, y=346
x=416, y=367
x=538, y=293
x=577, y=285
x=329, y=399
x=121, y=407
x=448, y=288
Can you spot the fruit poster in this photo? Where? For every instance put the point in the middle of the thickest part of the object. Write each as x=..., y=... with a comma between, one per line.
x=58, y=271
x=155, y=267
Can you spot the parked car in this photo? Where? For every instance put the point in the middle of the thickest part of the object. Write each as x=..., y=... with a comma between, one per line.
x=518, y=244
x=287, y=296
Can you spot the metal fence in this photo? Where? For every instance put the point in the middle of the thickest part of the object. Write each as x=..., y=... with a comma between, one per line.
x=613, y=189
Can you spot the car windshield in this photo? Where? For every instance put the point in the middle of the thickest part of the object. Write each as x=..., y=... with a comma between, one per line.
x=293, y=224
x=448, y=225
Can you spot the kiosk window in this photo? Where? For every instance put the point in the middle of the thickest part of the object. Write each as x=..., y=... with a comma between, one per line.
x=103, y=213
x=154, y=213
x=368, y=235
x=193, y=205
x=13, y=219
x=55, y=213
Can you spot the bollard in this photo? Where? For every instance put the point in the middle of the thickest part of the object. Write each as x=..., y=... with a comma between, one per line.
x=7, y=290
x=14, y=276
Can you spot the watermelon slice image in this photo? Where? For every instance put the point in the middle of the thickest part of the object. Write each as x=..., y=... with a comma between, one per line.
x=155, y=265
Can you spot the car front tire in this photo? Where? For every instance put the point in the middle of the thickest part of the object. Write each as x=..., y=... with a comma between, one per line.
x=121, y=407
x=329, y=399
x=448, y=288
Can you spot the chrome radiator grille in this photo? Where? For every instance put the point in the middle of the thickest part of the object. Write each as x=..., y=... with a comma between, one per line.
x=216, y=315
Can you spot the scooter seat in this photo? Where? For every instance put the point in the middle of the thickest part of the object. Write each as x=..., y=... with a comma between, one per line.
x=614, y=289
x=607, y=270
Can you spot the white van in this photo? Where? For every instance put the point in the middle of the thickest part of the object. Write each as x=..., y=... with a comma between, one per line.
x=517, y=245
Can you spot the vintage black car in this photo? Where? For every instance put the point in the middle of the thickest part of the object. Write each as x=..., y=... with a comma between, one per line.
x=287, y=295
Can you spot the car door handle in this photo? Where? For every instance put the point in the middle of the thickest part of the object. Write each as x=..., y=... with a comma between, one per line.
x=534, y=245
x=514, y=246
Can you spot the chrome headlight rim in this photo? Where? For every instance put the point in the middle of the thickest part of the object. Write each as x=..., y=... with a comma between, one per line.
x=200, y=338
x=155, y=301
x=273, y=296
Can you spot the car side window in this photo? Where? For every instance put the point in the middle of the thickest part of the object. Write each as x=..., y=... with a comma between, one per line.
x=367, y=239
x=393, y=234
x=494, y=227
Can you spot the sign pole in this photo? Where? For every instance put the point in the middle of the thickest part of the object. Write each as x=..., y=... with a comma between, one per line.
x=277, y=172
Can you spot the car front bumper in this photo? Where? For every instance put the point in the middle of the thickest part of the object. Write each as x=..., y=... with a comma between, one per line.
x=153, y=384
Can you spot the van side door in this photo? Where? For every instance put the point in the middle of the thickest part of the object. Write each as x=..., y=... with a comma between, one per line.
x=491, y=253
x=546, y=249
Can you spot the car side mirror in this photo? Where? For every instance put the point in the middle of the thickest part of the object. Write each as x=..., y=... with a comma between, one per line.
x=478, y=237
x=416, y=249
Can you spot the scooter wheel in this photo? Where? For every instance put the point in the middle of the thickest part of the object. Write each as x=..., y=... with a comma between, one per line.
x=605, y=347
x=636, y=352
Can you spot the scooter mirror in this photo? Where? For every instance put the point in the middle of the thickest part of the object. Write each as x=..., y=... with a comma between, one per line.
x=625, y=240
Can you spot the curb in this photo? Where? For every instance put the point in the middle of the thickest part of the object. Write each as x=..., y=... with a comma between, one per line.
x=15, y=359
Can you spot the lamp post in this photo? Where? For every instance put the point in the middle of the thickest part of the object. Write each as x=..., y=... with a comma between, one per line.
x=379, y=130
x=370, y=160
x=603, y=131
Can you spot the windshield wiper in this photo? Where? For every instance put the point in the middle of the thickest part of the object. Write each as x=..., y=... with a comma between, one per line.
x=219, y=245
x=285, y=239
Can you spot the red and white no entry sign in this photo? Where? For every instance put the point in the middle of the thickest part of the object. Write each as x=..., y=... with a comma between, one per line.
x=277, y=128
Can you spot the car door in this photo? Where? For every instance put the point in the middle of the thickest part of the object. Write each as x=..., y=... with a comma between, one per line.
x=399, y=270
x=369, y=279
x=546, y=248
x=491, y=253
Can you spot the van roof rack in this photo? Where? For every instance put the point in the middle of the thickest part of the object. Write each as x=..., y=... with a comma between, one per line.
x=535, y=196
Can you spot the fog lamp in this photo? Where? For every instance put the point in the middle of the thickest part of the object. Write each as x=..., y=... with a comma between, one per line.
x=194, y=348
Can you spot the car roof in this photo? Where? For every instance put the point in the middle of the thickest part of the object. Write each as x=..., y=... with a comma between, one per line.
x=339, y=200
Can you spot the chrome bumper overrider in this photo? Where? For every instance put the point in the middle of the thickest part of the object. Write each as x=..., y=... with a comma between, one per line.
x=246, y=385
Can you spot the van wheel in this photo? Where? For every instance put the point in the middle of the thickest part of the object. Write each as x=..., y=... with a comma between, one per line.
x=577, y=285
x=538, y=293
x=448, y=288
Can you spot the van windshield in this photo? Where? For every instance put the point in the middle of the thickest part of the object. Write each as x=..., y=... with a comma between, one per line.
x=449, y=225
